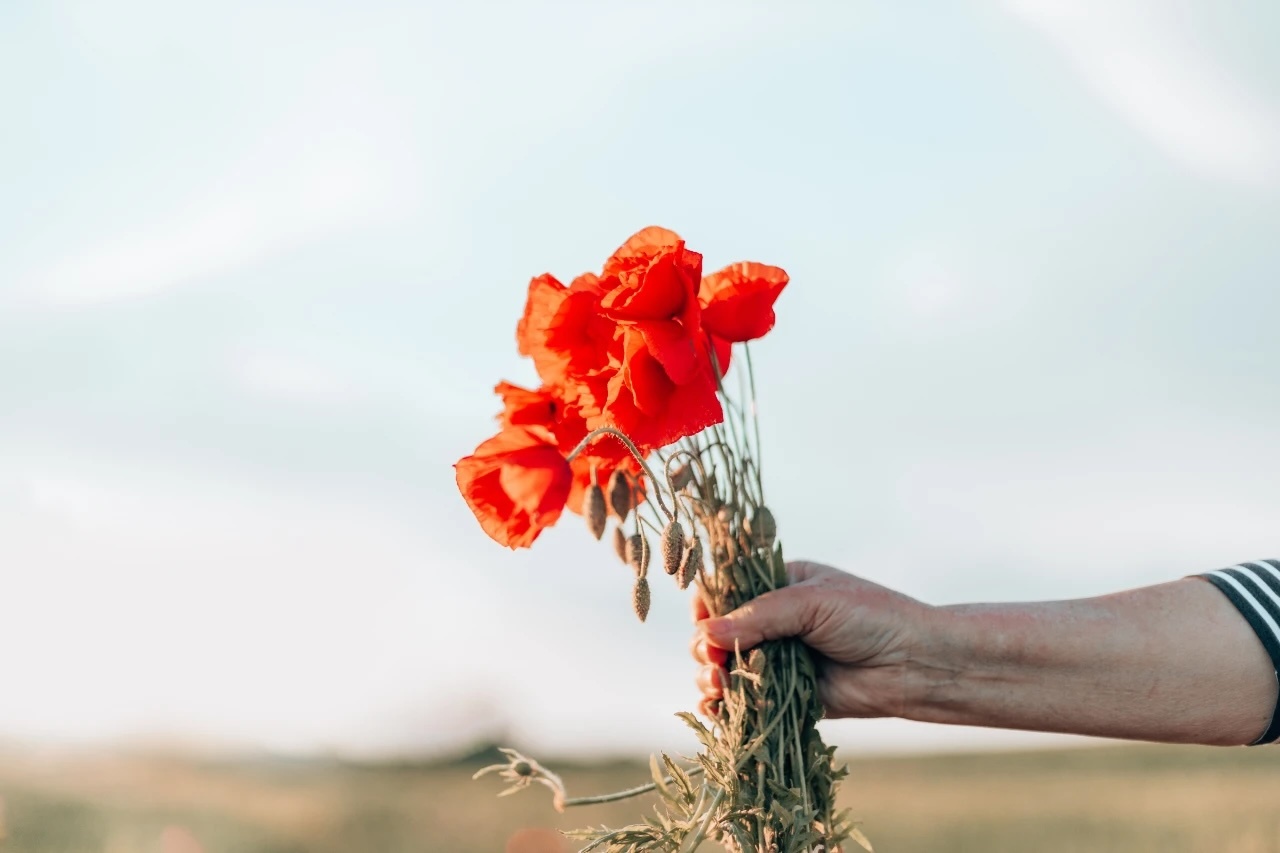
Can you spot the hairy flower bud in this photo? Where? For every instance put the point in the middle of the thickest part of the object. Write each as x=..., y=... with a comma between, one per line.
x=638, y=553
x=761, y=527
x=640, y=598
x=620, y=494
x=672, y=547
x=756, y=661
x=594, y=511
x=691, y=563
x=620, y=544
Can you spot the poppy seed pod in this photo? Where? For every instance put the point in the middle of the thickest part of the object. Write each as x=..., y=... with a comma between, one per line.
x=691, y=563
x=638, y=553
x=672, y=547
x=620, y=494
x=620, y=544
x=761, y=527
x=594, y=511
x=640, y=598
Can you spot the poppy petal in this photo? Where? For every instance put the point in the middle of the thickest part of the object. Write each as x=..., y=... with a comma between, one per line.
x=672, y=347
x=516, y=484
x=737, y=301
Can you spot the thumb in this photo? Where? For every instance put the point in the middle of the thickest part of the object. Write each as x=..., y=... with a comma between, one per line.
x=787, y=612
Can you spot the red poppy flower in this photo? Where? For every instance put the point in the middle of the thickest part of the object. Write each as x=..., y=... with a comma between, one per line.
x=522, y=407
x=564, y=331
x=652, y=276
x=649, y=406
x=737, y=302
x=652, y=281
x=567, y=426
x=637, y=348
x=516, y=483
x=597, y=461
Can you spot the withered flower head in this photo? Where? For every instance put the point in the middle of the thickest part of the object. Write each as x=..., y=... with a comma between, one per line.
x=522, y=771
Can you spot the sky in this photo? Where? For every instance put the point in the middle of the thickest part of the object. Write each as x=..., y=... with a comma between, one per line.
x=260, y=266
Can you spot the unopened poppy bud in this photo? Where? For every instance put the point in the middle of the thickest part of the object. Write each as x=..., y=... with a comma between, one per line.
x=594, y=511
x=756, y=662
x=681, y=477
x=620, y=494
x=691, y=563
x=761, y=526
x=638, y=553
x=640, y=598
x=620, y=544
x=672, y=547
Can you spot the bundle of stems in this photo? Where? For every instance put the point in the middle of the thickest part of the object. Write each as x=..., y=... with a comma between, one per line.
x=765, y=780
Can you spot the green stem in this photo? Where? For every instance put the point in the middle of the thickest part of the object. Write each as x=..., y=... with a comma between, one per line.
x=796, y=713
x=701, y=833
x=755, y=420
x=627, y=794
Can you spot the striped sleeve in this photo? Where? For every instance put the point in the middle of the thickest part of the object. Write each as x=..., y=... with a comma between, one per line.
x=1254, y=589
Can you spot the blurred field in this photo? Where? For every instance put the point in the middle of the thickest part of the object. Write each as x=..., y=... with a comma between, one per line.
x=1127, y=798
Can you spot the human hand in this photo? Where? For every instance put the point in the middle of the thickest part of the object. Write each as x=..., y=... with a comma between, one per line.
x=863, y=633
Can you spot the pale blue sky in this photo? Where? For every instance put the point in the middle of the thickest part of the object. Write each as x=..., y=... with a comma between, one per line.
x=261, y=264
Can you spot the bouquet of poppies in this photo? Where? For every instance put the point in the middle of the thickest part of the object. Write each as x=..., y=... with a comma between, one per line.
x=634, y=422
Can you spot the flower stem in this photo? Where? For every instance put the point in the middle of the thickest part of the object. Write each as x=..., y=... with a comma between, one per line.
x=623, y=795
x=635, y=451
x=701, y=832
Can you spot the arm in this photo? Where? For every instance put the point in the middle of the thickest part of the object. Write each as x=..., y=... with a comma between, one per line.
x=1174, y=662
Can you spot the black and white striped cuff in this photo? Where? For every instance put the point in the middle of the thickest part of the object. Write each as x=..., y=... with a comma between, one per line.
x=1254, y=588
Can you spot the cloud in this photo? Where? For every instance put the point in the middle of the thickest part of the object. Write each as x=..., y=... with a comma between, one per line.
x=1146, y=65
x=323, y=167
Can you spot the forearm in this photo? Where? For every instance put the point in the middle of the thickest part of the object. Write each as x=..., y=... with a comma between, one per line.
x=1173, y=663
